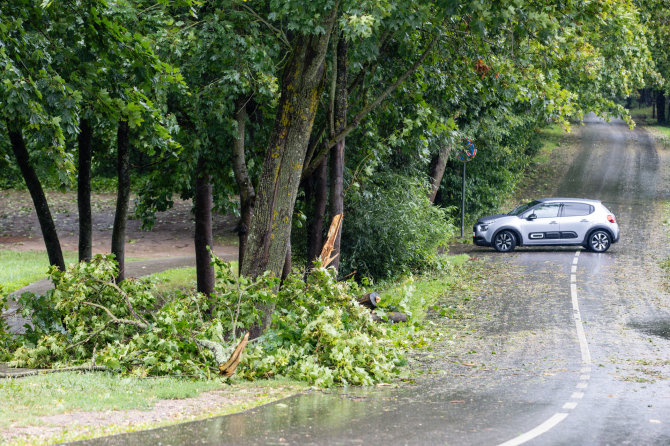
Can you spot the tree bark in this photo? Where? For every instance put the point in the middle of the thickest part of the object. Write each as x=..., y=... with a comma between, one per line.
x=337, y=152
x=437, y=167
x=244, y=184
x=270, y=229
x=84, y=191
x=287, y=263
x=660, y=107
x=39, y=199
x=122, y=197
x=203, y=229
x=318, y=194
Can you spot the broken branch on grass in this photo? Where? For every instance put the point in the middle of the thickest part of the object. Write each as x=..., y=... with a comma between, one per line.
x=115, y=319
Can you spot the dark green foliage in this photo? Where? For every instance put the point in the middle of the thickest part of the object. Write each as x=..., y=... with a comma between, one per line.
x=391, y=228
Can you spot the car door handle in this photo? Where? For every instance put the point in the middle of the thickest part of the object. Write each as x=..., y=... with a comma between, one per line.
x=553, y=223
x=584, y=221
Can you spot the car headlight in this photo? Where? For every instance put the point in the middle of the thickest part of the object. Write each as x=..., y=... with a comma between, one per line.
x=483, y=227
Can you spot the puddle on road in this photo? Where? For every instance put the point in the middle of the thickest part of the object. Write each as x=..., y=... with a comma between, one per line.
x=657, y=327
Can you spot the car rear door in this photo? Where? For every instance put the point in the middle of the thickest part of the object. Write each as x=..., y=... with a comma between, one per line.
x=575, y=221
x=540, y=225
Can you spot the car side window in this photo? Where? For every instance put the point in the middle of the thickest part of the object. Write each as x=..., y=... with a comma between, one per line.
x=549, y=210
x=577, y=209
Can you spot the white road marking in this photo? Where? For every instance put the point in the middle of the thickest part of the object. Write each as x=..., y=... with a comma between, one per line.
x=536, y=432
x=583, y=345
x=585, y=371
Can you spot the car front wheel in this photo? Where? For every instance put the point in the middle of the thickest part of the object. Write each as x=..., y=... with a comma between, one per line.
x=599, y=241
x=504, y=241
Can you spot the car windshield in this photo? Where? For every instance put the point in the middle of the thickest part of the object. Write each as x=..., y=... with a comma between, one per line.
x=523, y=207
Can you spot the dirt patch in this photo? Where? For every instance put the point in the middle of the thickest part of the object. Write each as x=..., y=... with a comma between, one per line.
x=171, y=236
x=74, y=425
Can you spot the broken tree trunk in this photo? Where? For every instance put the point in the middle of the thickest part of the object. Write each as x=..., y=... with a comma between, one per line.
x=226, y=367
x=370, y=300
x=327, y=255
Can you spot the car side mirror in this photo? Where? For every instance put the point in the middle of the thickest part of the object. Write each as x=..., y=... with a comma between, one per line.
x=531, y=217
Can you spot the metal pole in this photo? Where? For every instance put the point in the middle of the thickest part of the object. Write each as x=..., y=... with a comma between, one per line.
x=463, y=204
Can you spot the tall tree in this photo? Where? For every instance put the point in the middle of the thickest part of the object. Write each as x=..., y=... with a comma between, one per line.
x=84, y=139
x=282, y=167
x=340, y=104
x=39, y=199
x=204, y=239
x=122, y=197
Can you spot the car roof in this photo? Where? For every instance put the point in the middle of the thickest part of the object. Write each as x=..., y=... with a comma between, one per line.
x=562, y=199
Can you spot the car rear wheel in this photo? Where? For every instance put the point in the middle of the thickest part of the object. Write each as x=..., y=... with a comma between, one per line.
x=599, y=241
x=504, y=241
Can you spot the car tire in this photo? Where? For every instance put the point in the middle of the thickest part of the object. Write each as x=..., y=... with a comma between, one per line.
x=504, y=241
x=599, y=241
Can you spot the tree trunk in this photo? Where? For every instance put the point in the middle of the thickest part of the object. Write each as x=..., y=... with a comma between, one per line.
x=122, y=197
x=437, y=167
x=270, y=229
x=660, y=106
x=287, y=263
x=337, y=152
x=39, y=199
x=318, y=194
x=203, y=229
x=84, y=191
x=244, y=184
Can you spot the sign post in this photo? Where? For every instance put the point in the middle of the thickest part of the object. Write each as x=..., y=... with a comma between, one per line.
x=466, y=153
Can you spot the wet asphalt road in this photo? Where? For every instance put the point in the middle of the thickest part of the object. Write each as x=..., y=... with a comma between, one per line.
x=516, y=371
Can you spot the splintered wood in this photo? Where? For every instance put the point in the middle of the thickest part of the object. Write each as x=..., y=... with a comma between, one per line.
x=327, y=250
x=229, y=367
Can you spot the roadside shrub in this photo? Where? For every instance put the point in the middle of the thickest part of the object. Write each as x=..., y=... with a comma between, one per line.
x=391, y=228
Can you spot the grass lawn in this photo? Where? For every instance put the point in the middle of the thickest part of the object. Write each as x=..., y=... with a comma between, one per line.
x=55, y=393
x=21, y=268
x=40, y=396
x=18, y=269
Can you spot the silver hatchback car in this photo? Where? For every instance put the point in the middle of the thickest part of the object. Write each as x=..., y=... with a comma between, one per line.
x=550, y=221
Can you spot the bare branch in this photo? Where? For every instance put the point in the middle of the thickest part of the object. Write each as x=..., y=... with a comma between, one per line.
x=115, y=319
x=125, y=297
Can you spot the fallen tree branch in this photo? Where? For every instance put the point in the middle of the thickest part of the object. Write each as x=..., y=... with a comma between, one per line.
x=226, y=367
x=125, y=297
x=81, y=368
x=115, y=319
x=95, y=333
